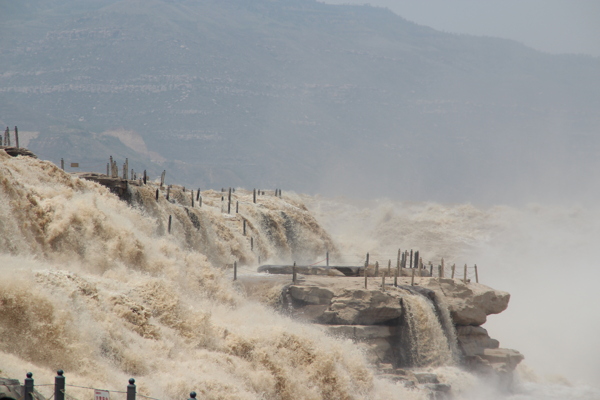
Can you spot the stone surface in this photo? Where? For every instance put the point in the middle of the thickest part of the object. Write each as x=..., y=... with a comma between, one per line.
x=473, y=340
x=311, y=294
x=362, y=307
x=469, y=304
x=360, y=332
x=300, y=269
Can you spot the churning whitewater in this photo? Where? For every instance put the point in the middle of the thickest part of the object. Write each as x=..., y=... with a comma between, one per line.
x=102, y=290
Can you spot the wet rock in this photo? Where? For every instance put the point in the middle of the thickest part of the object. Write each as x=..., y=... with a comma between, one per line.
x=473, y=340
x=469, y=304
x=362, y=307
x=360, y=332
x=427, y=378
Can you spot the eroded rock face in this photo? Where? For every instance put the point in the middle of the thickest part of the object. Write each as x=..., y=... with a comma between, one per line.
x=363, y=307
x=469, y=304
x=473, y=340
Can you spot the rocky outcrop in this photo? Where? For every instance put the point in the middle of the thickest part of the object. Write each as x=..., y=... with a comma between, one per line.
x=468, y=303
x=376, y=319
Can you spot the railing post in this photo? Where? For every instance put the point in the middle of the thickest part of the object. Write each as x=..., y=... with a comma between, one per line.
x=131, y=389
x=465, y=280
x=28, y=387
x=327, y=258
x=59, y=386
x=235, y=270
x=453, y=269
x=170, y=220
x=476, y=274
x=376, y=269
x=366, y=275
x=412, y=279
x=294, y=273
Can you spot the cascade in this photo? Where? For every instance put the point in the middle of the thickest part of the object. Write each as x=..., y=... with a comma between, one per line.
x=426, y=334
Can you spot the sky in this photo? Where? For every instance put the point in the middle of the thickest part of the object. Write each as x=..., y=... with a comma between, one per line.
x=553, y=26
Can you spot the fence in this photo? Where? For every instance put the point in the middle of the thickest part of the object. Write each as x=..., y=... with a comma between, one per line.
x=29, y=392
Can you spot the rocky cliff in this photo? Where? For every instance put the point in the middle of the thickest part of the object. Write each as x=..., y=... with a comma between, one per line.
x=435, y=322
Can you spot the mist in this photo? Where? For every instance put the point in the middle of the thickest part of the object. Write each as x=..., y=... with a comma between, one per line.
x=544, y=256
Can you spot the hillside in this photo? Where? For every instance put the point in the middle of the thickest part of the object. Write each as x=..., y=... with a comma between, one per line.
x=349, y=100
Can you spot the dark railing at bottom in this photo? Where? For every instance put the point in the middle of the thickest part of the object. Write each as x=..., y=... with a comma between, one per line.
x=60, y=386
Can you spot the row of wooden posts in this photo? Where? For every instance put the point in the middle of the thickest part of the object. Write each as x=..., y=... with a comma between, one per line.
x=60, y=389
x=6, y=138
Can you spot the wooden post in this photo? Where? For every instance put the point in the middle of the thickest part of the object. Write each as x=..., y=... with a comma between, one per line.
x=237, y=206
x=453, y=269
x=421, y=263
x=411, y=259
x=244, y=227
x=170, y=220
x=367, y=259
x=389, y=271
x=200, y=202
x=28, y=387
x=442, y=272
x=62, y=164
x=251, y=243
x=476, y=274
x=294, y=273
x=17, y=137
x=107, y=170
x=192, y=191
x=383, y=282
x=168, y=192
x=412, y=279
x=146, y=178
x=430, y=269
x=235, y=270
x=254, y=196
x=198, y=195
x=327, y=258
x=156, y=194
x=366, y=274
x=376, y=268
x=131, y=389
x=398, y=259
x=59, y=385
x=162, y=178
x=465, y=279
x=417, y=259
x=396, y=277
x=229, y=202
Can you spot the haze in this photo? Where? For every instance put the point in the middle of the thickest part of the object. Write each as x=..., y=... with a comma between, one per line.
x=554, y=26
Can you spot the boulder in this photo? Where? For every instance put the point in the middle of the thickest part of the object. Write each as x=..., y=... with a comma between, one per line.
x=469, y=304
x=473, y=340
x=360, y=332
x=311, y=294
x=362, y=307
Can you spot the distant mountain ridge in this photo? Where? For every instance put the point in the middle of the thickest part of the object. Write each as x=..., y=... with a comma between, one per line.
x=298, y=94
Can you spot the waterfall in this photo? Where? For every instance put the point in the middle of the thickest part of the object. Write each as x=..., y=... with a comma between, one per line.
x=426, y=335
